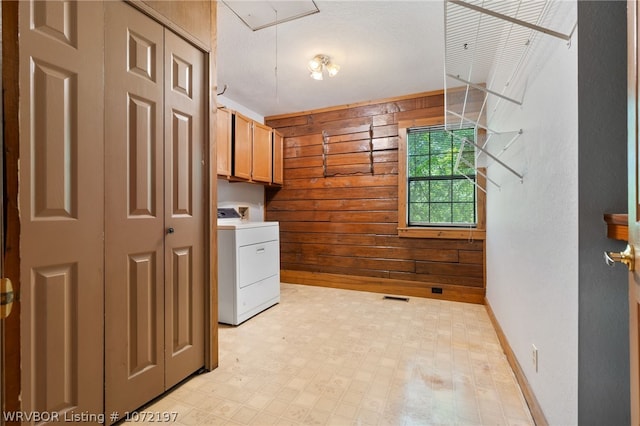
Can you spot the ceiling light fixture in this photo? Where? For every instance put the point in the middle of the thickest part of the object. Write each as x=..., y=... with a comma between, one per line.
x=320, y=63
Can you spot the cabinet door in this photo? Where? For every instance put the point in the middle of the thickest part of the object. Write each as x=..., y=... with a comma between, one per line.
x=241, y=146
x=223, y=141
x=261, y=171
x=278, y=146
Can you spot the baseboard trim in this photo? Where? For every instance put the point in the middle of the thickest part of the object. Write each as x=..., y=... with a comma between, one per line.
x=385, y=286
x=529, y=396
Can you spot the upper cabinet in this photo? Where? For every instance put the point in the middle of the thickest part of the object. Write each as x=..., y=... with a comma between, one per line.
x=241, y=143
x=278, y=146
x=247, y=150
x=262, y=153
x=223, y=141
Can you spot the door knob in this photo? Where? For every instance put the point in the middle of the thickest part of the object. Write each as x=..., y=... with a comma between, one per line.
x=170, y=231
x=6, y=297
x=627, y=257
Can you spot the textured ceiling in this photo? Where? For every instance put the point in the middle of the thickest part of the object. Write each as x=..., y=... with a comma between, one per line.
x=384, y=48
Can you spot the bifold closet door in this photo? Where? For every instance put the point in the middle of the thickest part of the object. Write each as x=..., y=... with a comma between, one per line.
x=184, y=208
x=154, y=224
x=134, y=221
x=61, y=207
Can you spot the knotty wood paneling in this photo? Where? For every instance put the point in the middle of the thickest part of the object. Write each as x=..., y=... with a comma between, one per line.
x=338, y=206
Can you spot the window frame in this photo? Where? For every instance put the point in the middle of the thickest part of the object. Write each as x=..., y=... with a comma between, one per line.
x=477, y=232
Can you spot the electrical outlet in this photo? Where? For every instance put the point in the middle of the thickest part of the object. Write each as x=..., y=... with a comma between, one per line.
x=534, y=357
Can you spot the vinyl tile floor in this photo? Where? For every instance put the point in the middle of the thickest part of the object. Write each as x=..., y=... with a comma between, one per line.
x=337, y=357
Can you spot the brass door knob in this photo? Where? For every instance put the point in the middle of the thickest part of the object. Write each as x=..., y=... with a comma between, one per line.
x=627, y=257
x=6, y=297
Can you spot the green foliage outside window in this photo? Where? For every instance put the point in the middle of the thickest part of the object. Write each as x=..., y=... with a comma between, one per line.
x=438, y=194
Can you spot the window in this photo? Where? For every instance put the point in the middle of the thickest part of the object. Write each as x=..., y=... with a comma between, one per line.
x=438, y=192
x=436, y=200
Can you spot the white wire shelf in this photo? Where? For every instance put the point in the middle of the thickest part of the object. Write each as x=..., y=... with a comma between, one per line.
x=487, y=46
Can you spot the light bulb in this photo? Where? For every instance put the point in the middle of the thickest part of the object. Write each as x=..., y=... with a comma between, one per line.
x=316, y=75
x=315, y=64
x=333, y=69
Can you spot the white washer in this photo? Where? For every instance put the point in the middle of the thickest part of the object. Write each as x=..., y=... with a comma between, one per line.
x=248, y=269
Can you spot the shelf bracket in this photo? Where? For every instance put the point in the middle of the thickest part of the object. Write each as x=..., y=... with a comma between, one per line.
x=476, y=184
x=475, y=123
x=493, y=157
x=484, y=89
x=513, y=139
x=456, y=167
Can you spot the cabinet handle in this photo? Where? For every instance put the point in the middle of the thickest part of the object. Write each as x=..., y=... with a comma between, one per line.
x=260, y=250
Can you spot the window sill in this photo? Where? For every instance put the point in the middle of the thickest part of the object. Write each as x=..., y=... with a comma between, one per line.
x=448, y=233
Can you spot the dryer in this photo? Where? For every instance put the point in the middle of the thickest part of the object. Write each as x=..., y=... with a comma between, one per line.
x=248, y=269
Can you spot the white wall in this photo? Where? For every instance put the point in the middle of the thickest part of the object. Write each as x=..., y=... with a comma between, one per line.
x=223, y=101
x=532, y=230
x=234, y=194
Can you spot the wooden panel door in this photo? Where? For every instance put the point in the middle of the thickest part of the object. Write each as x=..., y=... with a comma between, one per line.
x=278, y=147
x=242, y=135
x=155, y=232
x=61, y=206
x=223, y=141
x=134, y=226
x=184, y=209
x=262, y=149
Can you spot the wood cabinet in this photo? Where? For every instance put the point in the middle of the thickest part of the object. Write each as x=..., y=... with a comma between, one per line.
x=247, y=150
x=223, y=141
x=242, y=146
x=278, y=146
x=262, y=150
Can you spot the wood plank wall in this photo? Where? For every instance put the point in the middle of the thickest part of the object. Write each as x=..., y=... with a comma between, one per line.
x=338, y=207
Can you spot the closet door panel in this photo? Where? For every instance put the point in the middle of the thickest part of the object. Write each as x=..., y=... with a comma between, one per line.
x=184, y=195
x=134, y=226
x=61, y=204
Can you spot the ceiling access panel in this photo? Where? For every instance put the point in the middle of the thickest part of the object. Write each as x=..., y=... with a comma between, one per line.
x=263, y=14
